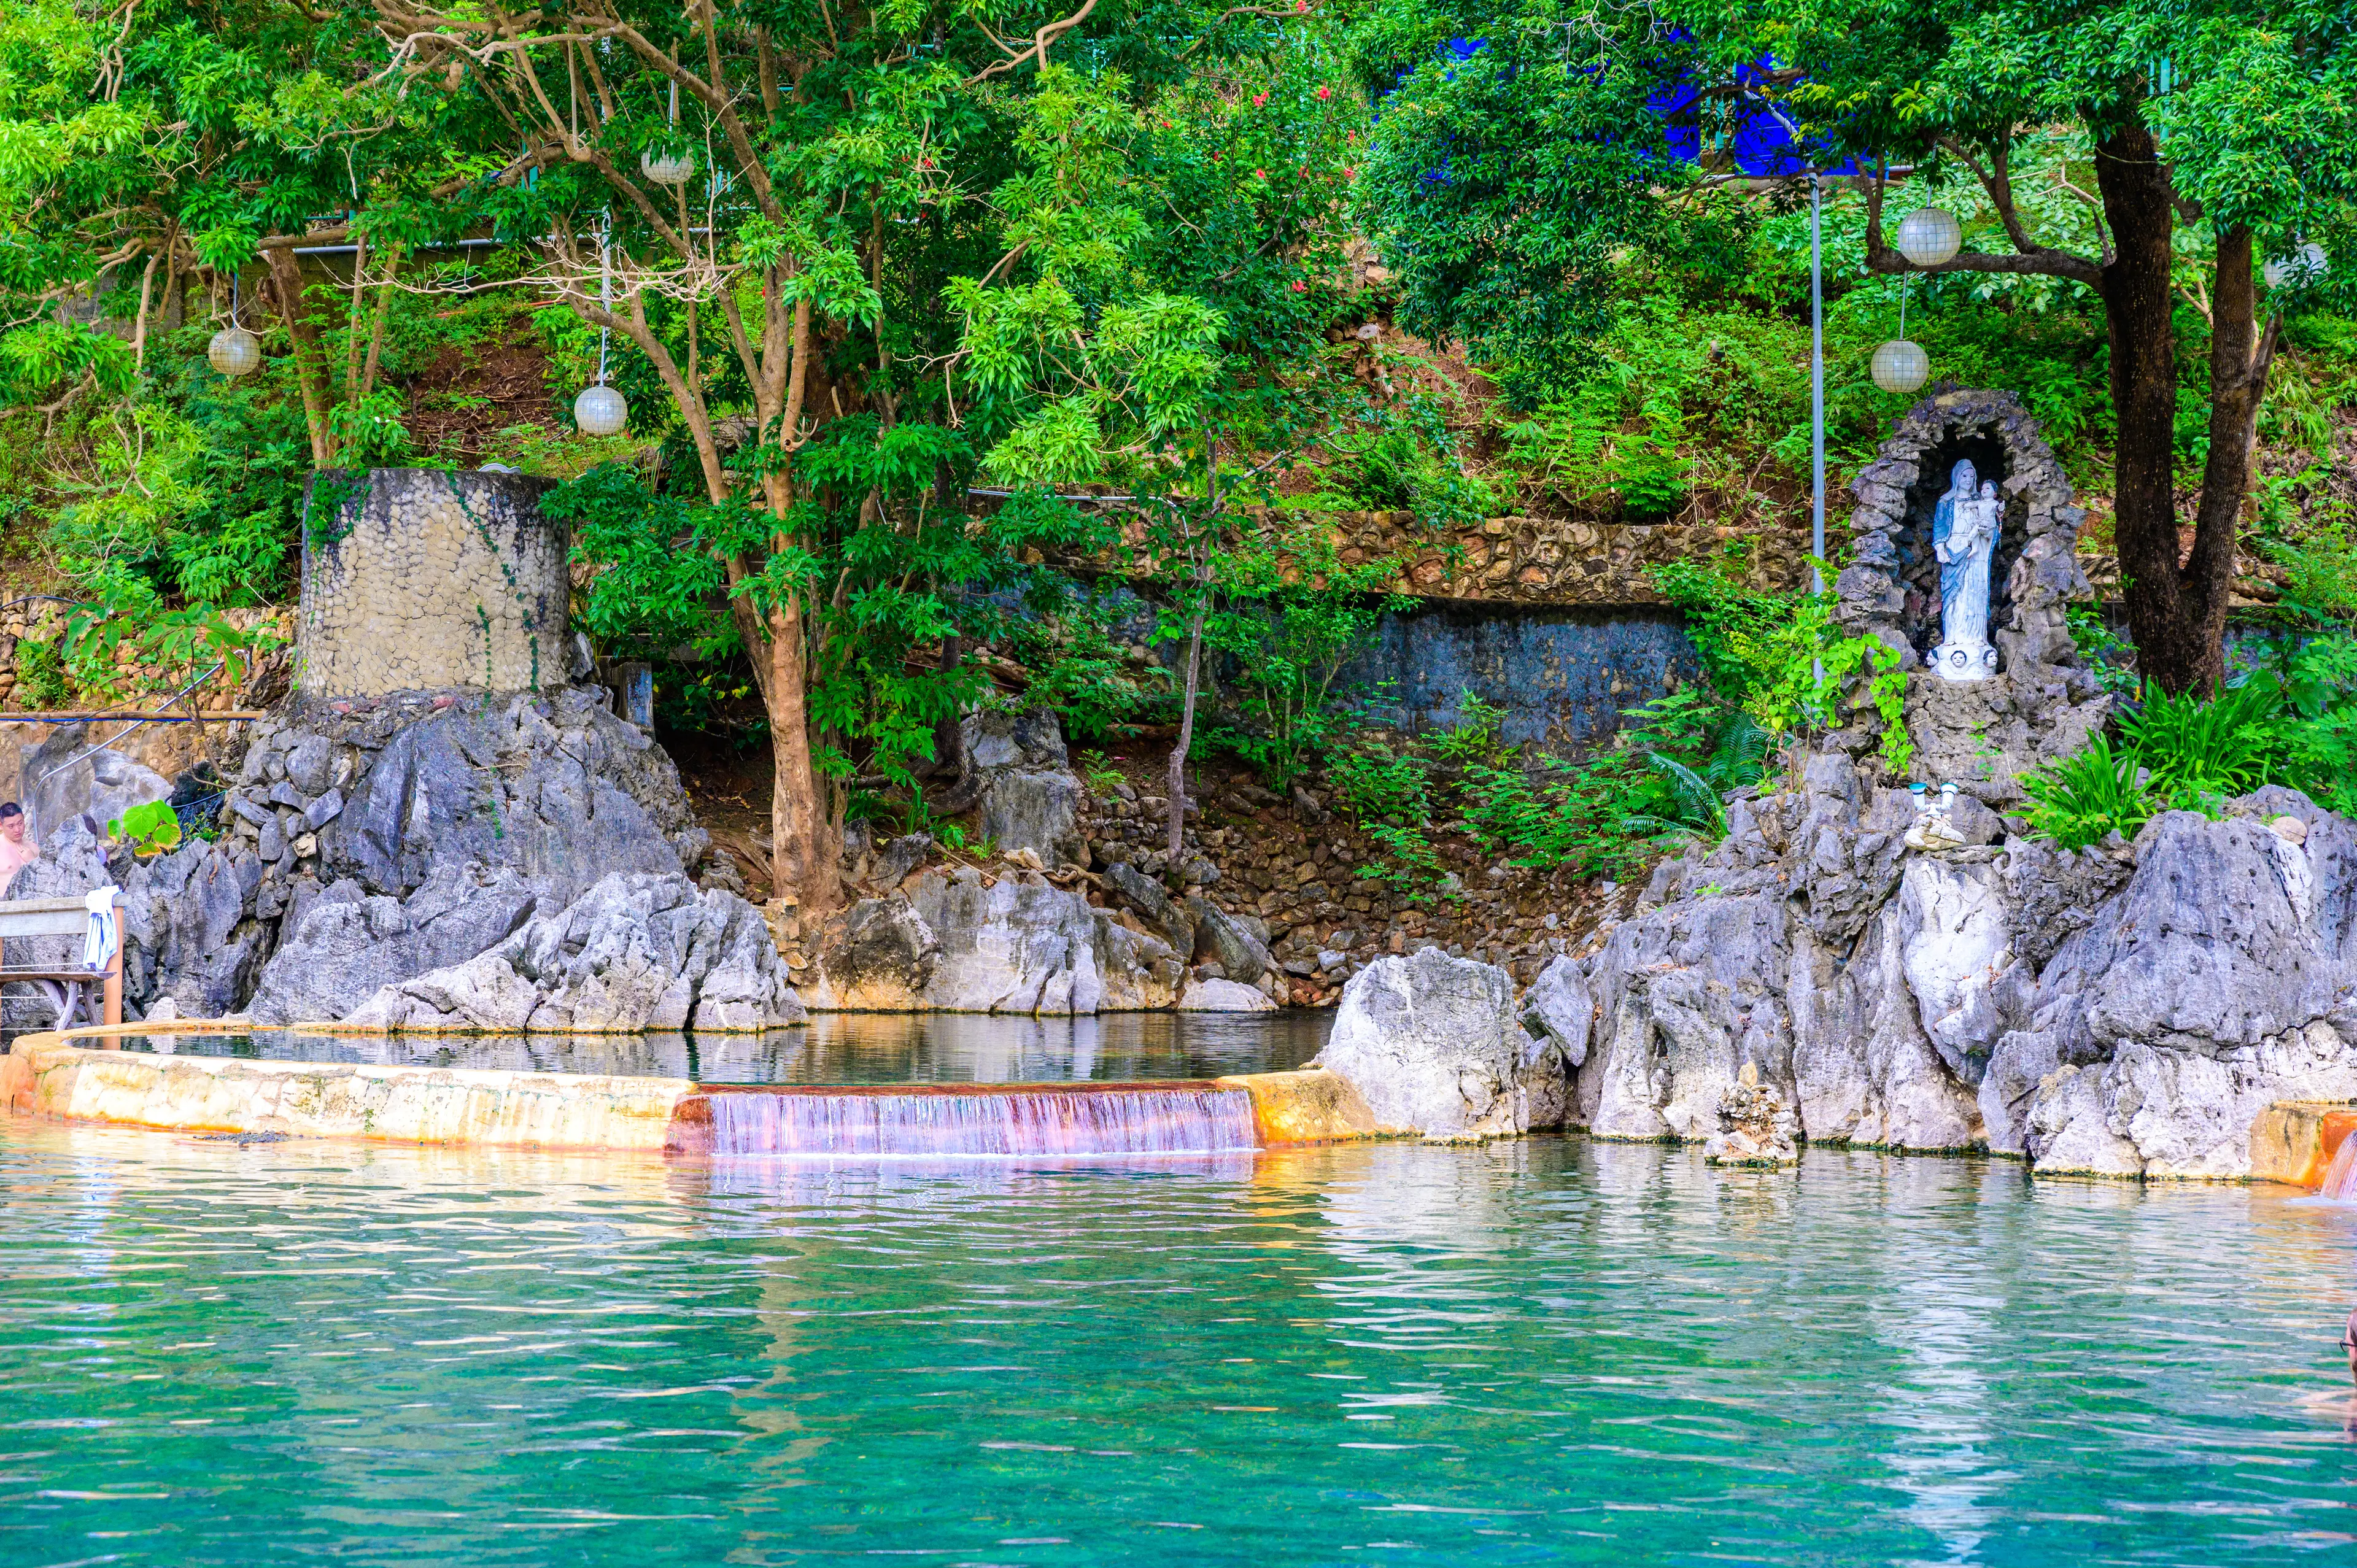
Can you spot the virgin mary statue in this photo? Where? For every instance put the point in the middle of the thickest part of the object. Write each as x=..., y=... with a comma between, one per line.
x=1964, y=538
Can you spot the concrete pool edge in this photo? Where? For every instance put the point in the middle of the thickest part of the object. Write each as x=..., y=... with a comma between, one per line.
x=2293, y=1141
x=54, y=1075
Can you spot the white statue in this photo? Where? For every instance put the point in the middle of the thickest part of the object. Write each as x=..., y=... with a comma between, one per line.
x=1963, y=537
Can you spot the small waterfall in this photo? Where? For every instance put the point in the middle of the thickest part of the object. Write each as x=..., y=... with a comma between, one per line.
x=2341, y=1176
x=969, y=1119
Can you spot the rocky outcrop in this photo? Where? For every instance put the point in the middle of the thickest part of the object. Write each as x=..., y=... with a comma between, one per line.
x=414, y=825
x=69, y=775
x=552, y=786
x=2123, y=1012
x=344, y=945
x=1018, y=774
x=635, y=953
x=958, y=942
x=1755, y=1126
x=1223, y=996
x=2223, y=977
x=1435, y=1045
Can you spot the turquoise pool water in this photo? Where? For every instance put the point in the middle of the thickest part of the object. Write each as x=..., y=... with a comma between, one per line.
x=1542, y=1352
x=844, y=1048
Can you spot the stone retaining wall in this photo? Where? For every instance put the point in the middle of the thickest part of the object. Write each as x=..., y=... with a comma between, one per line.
x=425, y=579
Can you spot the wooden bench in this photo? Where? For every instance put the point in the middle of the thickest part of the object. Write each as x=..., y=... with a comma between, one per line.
x=69, y=988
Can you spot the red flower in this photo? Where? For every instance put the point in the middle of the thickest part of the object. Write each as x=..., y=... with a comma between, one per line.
x=1350, y=171
x=1260, y=174
x=1260, y=100
x=1300, y=288
x=1299, y=6
x=1324, y=93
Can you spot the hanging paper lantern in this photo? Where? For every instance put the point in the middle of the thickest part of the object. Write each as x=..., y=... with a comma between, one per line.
x=667, y=168
x=600, y=410
x=1929, y=235
x=2303, y=265
x=1900, y=366
x=234, y=352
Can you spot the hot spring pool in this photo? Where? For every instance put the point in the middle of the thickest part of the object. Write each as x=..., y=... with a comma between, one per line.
x=1539, y=1352
x=841, y=1047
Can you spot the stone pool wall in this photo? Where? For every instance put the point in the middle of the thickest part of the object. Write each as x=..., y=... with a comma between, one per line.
x=69, y=1077
x=425, y=579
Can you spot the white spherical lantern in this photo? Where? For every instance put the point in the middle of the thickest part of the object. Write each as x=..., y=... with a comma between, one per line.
x=2303, y=265
x=600, y=410
x=234, y=352
x=668, y=168
x=1929, y=235
x=1900, y=366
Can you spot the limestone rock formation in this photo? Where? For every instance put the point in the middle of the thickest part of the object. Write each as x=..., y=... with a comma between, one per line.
x=2121, y=1011
x=346, y=945
x=550, y=785
x=1223, y=996
x=1755, y=1126
x=1017, y=770
x=954, y=942
x=636, y=952
x=1435, y=1045
x=68, y=776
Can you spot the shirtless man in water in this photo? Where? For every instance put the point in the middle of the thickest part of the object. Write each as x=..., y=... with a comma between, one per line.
x=17, y=849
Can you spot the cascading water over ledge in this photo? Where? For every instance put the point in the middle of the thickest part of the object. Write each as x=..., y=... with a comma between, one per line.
x=935, y=1119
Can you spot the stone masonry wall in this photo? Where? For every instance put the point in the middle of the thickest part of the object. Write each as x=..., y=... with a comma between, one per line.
x=417, y=579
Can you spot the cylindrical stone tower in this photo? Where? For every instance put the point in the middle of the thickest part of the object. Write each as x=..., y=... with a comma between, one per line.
x=425, y=579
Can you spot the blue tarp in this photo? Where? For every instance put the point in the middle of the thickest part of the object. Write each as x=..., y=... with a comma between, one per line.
x=1741, y=127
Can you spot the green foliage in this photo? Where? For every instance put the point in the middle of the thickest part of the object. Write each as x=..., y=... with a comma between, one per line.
x=2196, y=748
x=1509, y=187
x=2107, y=654
x=1097, y=773
x=42, y=674
x=1377, y=781
x=1078, y=667
x=1661, y=781
x=148, y=829
x=1402, y=456
x=1287, y=613
x=1783, y=660
x=1474, y=736
x=1408, y=861
x=2295, y=724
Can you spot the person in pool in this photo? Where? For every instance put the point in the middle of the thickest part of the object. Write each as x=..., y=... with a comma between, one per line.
x=17, y=849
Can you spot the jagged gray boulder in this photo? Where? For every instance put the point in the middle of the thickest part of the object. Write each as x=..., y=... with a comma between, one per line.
x=345, y=945
x=2223, y=978
x=1148, y=900
x=64, y=778
x=1225, y=939
x=636, y=952
x=193, y=932
x=1434, y=1044
x=1019, y=775
x=1223, y=996
x=2126, y=1012
x=958, y=943
x=553, y=787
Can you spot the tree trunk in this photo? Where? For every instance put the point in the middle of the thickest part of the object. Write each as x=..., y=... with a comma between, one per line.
x=2239, y=357
x=1186, y=731
x=2176, y=606
x=803, y=865
x=286, y=279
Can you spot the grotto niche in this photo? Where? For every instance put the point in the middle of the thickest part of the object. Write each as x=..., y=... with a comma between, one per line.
x=2043, y=701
